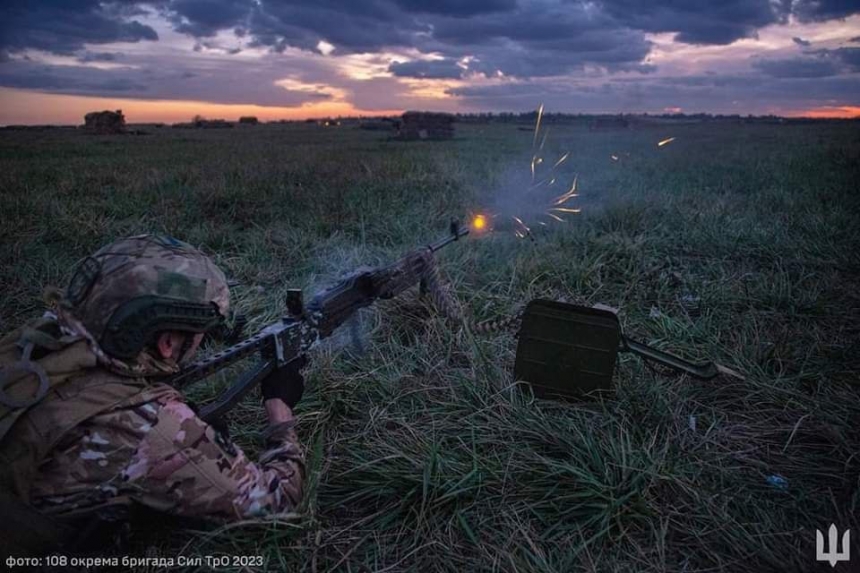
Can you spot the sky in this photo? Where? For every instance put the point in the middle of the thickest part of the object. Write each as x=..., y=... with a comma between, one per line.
x=168, y=60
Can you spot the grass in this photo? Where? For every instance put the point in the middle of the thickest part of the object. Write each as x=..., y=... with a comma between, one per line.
x=421, y=454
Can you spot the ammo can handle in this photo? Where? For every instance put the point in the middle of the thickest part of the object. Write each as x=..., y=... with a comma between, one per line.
x=705, y=370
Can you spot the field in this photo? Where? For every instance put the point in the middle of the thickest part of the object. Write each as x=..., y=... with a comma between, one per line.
x=737, y=242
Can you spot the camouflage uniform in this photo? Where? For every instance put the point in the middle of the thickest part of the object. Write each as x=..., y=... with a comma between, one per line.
x=144, y=444
x=152, y=449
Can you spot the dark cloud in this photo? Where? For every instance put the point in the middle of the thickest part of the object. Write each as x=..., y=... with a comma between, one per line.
x=701, y=81
x=525, y=40
x=848, y=56
x=248, y=85
x=821, y=10
x=457, y=8
x=64, y=27
x=855, y=39
x=435, y=69
x=351, y=26
x=214, y=46
x=64, y=79
x=797, y=67
x=801, y=42
x=843, y=60
x=531, y=43
x=709, y=22
x=203, y=18
x=454, y=26
x=696, y=21
x=88, y=57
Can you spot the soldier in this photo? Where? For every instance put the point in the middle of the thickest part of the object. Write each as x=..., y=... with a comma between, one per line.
x=87, y=430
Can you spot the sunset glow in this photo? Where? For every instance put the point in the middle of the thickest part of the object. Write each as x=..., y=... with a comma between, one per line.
x=843, y=112
x=37, y=108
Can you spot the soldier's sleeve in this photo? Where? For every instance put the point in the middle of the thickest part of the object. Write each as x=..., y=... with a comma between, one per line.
x=182, y=466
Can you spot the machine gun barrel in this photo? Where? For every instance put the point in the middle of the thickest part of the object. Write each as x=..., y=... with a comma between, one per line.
x=456, y=233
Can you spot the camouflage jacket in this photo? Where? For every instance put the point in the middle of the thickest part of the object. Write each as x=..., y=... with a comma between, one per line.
x=152, y=449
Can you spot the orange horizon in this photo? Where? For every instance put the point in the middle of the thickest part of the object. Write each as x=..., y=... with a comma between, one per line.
x=829, y=112
x=25, y=107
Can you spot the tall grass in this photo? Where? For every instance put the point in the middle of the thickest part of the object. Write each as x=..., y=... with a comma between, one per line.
x=738, y=243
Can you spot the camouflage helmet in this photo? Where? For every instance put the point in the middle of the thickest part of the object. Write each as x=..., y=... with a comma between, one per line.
x=130, y=290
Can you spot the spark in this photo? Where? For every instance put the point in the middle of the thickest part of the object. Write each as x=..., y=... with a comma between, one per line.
x=665, y=142
x=569, y=195
x=535, y=161
x=565, y=198
x=525, y=232
x=537, y=124
x=543, y=140
x=543, y=177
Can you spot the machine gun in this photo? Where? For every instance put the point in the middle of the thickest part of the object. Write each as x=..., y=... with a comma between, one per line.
x=287, y=340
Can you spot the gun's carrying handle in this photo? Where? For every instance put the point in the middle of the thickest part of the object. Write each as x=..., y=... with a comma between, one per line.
x=705, y=370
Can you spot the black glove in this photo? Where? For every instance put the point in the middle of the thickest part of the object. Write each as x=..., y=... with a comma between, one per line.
x=286, y=383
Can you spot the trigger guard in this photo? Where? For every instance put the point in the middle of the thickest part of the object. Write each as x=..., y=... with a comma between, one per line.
x=23, y=366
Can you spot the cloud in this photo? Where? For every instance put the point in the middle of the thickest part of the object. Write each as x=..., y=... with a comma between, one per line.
x=249, y=85
x=797, y=68
x=457, y=8
x=204, y=18
x=821, y=10
x=88, y=57
x=432, y=69
x=63, y=27
x=819, y=64
x=740, y=93
x=526, y=42
x=696, y=21
x=451, y=26
x=64, y=79
x=503, y=52
x=349, y=26
x=848, y=56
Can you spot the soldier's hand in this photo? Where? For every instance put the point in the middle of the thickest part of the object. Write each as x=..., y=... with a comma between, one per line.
x=286, y=383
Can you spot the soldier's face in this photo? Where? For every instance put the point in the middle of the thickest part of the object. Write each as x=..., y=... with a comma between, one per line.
x=189, y=348
x=178, y=346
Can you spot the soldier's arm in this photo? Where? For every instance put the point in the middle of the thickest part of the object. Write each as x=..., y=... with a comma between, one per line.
x=183, y=466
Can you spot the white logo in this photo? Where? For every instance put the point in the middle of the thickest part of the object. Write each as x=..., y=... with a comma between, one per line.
x=833, y=556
